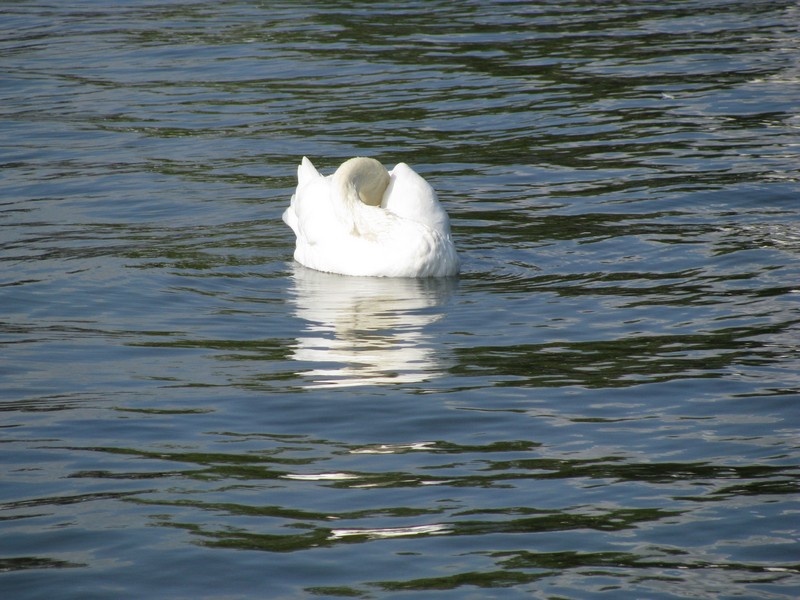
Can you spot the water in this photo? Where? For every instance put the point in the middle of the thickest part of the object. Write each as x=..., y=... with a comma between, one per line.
x=603, y=404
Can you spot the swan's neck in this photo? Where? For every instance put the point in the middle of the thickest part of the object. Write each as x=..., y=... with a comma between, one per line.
x=362, y=179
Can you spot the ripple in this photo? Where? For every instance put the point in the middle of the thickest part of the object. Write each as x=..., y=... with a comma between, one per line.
x=604, y=403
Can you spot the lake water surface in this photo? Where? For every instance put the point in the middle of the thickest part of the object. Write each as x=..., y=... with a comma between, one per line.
x=605, y=403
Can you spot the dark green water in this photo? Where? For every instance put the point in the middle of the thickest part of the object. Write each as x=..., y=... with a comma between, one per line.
x=606, y=403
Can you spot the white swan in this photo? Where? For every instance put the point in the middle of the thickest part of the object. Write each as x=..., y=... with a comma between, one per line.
x=364, y=220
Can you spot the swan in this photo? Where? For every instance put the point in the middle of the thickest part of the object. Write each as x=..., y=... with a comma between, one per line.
x=366, y=221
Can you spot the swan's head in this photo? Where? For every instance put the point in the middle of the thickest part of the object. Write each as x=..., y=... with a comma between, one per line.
x=368, y=177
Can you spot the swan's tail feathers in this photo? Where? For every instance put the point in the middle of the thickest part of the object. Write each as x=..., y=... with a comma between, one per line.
x=306, y=172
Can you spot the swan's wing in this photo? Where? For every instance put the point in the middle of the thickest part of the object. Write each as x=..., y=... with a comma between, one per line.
x=311, y=214
x=289, y=215
x=409, y=196
x=306, y=172
x=310, y=185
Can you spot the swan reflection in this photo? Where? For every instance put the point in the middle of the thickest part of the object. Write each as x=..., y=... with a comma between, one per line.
x=367, y=330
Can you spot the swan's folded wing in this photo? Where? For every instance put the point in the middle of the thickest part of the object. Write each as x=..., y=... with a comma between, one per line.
x=314, y=214
x=306, y=172
x=411, y=197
